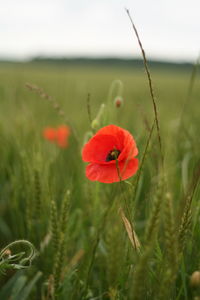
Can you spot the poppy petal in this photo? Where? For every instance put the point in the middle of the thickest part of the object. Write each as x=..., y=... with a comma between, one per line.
x=111, y=130
x=124, y=142
x=115, y=131
x=109, y=173
x=130, y=150
x=97, y=149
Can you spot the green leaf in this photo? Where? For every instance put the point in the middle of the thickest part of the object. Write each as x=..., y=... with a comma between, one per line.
x=19, y=284
x=27, y=290
x=10, y=284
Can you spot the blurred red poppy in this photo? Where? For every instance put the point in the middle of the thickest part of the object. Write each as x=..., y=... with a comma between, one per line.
x=57, y=135
x=111, y=153
x=63, y=133
x=49, y=134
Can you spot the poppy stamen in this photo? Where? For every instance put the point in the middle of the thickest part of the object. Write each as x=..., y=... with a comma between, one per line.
x=113, y=155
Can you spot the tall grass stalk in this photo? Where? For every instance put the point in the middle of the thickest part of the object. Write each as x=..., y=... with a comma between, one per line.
x=170, y=263
x=60, y=240
x=143, y=160
x=149, y=81
x=192, y=80
x=187, y=212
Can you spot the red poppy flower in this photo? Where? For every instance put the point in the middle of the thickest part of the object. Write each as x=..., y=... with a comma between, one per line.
x=57, y=135
x=63, y=133
x=49, y=134
x=111, y=153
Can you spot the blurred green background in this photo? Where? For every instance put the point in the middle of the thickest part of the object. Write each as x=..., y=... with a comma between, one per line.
x=35, y=173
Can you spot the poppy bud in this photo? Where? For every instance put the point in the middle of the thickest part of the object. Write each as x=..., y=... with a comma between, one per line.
x=118, y=102
x=195, y=279
x=95, y=124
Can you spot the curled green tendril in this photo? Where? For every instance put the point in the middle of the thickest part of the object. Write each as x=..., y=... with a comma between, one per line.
x=16, y=261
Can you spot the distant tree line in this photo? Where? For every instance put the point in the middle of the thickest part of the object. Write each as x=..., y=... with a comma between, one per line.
x=102, y=62
x=112, y=62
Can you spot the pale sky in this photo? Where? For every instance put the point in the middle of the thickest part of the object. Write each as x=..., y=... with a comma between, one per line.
x=169, y=29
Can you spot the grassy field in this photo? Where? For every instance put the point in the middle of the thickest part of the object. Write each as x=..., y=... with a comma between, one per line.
x=79, y=231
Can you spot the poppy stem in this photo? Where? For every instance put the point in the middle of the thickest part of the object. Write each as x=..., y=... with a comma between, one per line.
x=95, y=245
x=89, y=108
x=116, y=88
x=126, y=205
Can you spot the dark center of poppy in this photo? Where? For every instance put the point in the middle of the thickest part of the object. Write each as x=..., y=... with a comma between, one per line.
x=113, y=155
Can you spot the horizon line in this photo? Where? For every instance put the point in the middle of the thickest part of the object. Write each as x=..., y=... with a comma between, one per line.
x=93, y=58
